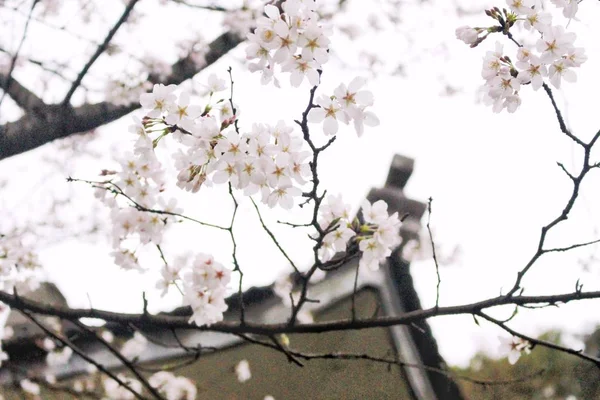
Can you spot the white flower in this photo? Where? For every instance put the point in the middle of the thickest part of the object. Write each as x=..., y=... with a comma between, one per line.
x=215, y=84
x=107, y=336
x=242, y=370
x=277, y=172
x=569, y=7
x=208, y=306
x=503, y=85
x=284, y=196
x=375, y=213
x=512, y=102
x=340, y=237
x=352, y=96
x=182, y=110
x=520, y=6
x=360, y=118
x=299, y=168
x=159, y=100
x=533, y=72
x=30, y=387
x=329, y=112
x=388, y=231
x=169, y=275
x=514, y=346
x=135, y=346
x=467, y=34
x=59, y=357
x=3, y=357
x=173, y=387
x=284, y=42
x=554, y=43
x=373, y=252
x=558, y=70
x=575, y=57
x=539, y=20
x=126, y=259
x=114, y=390
x=523, y=53
x=299, y=68
x=314, y=44
x=48, y=344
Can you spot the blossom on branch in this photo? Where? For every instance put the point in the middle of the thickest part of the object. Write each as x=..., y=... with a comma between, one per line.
x=514, y=346
x=555, y=57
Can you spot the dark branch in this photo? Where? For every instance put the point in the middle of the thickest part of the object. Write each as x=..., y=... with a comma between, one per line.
x=58, y=121
x=182, y=322
x=24, y=97
x=101, y=49
x=13, y=62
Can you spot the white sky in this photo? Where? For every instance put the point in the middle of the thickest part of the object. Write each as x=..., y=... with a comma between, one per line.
x=493, y=178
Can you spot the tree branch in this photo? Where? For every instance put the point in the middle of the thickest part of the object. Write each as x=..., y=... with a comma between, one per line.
x=13, y=62
x=24, y=97
x=59, y=121
x=101, y=48
x=169, y=322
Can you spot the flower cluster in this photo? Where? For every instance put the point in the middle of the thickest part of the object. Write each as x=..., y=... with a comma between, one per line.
x=514, y=346
x=242, y=20
x=268, y=160
x=173, y=387
x=554, y=54
x=114, y=390
x=19, y=266
x=134, y=347
x=141, y=181
x=204, y=289
x=293, y=39
x=376, y=236
x=347, y=104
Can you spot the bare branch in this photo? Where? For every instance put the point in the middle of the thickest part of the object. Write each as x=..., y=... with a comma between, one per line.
x=101, y=48
x=435, y=260
x=121, y=358
x=550, y=345
x=80, y=353
x=182, y=322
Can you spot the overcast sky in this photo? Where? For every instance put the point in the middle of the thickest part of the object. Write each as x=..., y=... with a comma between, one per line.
x=493, y=177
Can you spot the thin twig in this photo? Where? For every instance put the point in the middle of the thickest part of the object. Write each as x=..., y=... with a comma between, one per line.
x=76, y=350
x=435, y=260
x=101, y=49
x=273, y=238
x=13, y=62
x=128, y=364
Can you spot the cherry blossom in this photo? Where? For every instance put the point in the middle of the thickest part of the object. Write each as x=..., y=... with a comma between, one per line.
x=242, y=370
x=514, y=346
x=520, y=6
x=134, y=347
x=554, y=43
x=328, y=112
x=182, y=110
x=114, y=390
x=59, y=357
x=30, y=387
x=554, y=56
x=173, y=387
x=467, y=34
x=159, y=100
x=569, y=7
